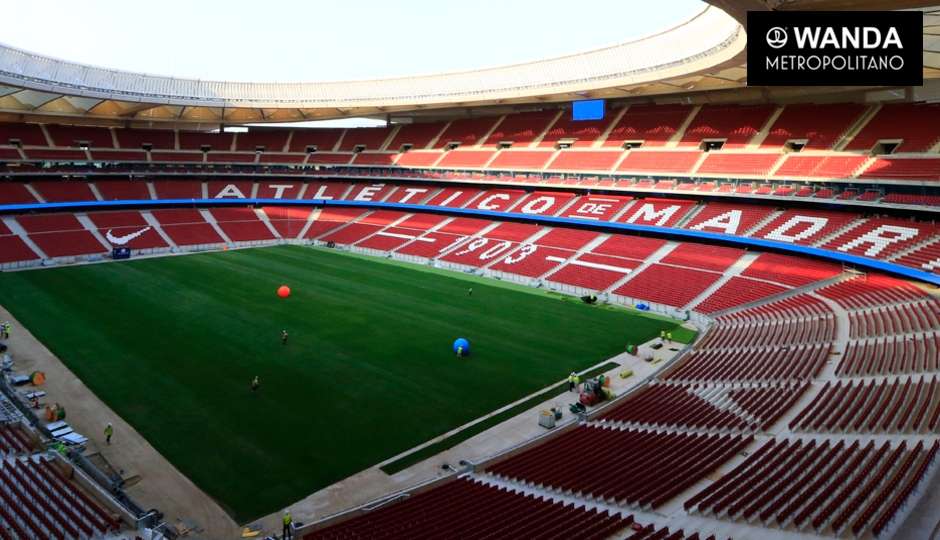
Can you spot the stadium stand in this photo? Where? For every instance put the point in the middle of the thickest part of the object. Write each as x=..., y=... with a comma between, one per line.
x=186, y=227
x=583, y=133
x=736, y=125
x=506, y=514
x=653, y=125
x=466, y=131
x=520, y=129
x=659, y=161
x=581, y=460
x=820, y=126
x=60, y=235
x=913, y=123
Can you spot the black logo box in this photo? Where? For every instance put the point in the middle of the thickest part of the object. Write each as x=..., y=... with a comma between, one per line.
x=771, y=37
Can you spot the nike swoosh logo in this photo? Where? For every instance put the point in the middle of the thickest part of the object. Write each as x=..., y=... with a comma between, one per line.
x=121, y=240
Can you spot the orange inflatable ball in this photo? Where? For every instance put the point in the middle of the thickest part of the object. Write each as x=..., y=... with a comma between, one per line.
x=283, y=291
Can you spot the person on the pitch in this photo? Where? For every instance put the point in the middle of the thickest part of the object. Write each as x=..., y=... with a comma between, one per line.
x=108, y=432
x=470, y=291
x=283, y=337
x=288, y=529
x=255, y=384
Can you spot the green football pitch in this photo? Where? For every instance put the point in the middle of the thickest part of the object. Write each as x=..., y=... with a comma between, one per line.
x=172, y=343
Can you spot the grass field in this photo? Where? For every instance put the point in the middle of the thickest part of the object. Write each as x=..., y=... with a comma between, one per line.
x=172, y=343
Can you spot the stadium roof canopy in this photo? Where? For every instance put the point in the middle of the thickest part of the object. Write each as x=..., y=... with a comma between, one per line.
x=705, y=53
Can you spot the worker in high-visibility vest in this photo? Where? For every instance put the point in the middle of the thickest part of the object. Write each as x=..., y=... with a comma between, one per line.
x=669, y=337
x=573, y=381
x=288, y=522
x=108, y=432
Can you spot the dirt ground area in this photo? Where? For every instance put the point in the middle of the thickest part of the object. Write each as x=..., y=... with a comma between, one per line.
x=161, y=485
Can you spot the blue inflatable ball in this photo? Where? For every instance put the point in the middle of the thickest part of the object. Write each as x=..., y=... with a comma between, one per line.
x=462, y=347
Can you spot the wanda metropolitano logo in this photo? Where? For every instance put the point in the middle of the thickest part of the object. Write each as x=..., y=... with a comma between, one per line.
x=844, y=48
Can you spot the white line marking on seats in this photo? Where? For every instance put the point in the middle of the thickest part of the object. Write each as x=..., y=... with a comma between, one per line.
x=589, y=264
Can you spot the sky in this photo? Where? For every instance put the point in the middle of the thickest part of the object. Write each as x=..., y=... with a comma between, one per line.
x=326, y=40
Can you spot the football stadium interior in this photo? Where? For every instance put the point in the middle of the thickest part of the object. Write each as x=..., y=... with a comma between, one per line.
x=687, y=308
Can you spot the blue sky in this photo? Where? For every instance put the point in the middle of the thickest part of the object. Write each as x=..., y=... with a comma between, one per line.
x=296, y=40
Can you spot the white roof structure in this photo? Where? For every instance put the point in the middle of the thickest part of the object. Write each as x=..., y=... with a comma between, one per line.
x=706, y=52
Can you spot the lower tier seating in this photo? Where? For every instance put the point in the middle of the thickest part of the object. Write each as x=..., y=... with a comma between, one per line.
x=621, y=466
x=705, y=406
x=465, y=508
x=891, y=355
x=826, y=485
x=36, y=501
x=903, y=406
x=669, y=285
x=795, y=362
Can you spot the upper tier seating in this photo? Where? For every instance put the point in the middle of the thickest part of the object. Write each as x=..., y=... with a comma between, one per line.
x=76, y=136
x=25, y=134
x=370, y=138
x=521, y=128
x=736, y=124
x=418, y=135
x=323, y=140
x=268, y=140
x=217, y=142
x=916, y=124
x=584, y=132
x=135, y=139
x=466, y=131
x=819, y=125
x=654, y=125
